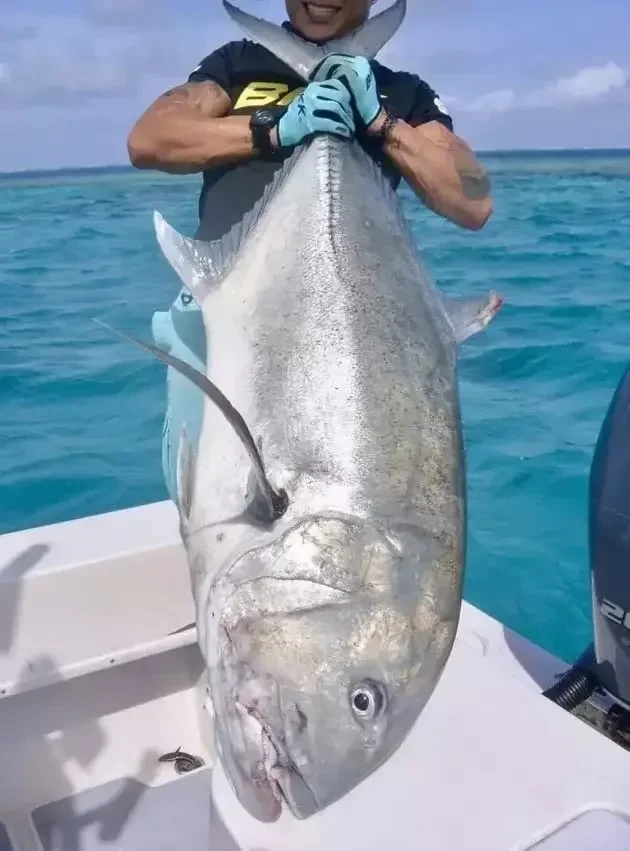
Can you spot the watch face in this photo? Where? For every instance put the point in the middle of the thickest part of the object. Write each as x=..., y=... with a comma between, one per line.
x=264, y=118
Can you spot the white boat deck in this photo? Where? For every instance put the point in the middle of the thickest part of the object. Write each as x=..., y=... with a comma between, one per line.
x=100, y=675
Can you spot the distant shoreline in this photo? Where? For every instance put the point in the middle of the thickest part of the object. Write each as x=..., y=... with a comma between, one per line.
x=531, y=153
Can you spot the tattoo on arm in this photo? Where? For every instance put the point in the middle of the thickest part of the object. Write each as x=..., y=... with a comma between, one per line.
x=391, y=140
x=473, y=177
x=475, y=182
x=387, y=132
x=205, y=96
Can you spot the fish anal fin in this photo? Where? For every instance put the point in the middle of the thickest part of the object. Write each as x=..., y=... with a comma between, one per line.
x=469, y=316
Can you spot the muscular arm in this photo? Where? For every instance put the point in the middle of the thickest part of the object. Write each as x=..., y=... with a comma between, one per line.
x=187, y=129
x=442, y=170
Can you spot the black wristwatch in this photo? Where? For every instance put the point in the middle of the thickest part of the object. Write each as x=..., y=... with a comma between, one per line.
x=261, y=124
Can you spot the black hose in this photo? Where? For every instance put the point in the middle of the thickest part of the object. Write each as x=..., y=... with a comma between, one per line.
x=576, y=685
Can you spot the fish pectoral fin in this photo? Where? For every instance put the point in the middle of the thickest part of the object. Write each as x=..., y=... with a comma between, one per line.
x=275, y=503
x=468, y=316
x=303, y=57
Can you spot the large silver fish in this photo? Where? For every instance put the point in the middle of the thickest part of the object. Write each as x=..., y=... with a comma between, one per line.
x=327, y=550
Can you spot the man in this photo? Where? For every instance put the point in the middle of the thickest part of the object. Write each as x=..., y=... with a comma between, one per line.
x=242, y=112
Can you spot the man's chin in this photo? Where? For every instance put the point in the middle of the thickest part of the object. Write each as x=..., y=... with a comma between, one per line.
x=321, y=15
x=318, y=27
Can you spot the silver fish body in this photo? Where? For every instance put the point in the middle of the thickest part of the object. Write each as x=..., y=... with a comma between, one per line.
x=326, y=629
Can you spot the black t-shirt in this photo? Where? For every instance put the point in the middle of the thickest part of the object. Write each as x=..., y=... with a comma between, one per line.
x=254, y=78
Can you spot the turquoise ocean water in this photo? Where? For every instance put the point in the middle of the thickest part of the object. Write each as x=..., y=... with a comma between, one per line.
x=81, y=411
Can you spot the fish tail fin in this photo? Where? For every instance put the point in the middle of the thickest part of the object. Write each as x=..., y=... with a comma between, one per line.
x=303, y=57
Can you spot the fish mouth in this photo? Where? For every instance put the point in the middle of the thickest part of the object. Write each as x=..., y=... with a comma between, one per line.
x=275, y=779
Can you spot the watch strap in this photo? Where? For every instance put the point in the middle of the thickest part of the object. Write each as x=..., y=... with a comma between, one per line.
x=386, y=128
x=261, y=136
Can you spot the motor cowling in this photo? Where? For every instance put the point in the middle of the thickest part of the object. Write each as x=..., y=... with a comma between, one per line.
x=609, y=546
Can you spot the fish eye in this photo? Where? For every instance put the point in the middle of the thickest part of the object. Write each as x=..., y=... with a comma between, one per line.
x=367, y=700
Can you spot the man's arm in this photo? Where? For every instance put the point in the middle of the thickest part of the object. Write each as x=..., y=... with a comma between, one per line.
x=187, y=129
x=437, y=164
x=441, y=169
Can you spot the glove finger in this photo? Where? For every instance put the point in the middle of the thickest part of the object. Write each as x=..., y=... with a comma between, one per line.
x=348, y=80
x=362, y=90
x=341, y=107
x=339, y=101
x=323, y=70
x=340, y=72
x=336, y=70
x=334, y=88
x=334, y=116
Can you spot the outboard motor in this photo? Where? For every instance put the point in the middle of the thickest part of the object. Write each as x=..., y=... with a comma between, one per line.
x=605, y=666
x=609, y=544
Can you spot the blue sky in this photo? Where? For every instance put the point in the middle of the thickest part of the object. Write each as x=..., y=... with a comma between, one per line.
x=74, y=74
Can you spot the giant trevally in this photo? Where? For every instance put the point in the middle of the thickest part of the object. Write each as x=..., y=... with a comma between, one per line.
x=323, y=509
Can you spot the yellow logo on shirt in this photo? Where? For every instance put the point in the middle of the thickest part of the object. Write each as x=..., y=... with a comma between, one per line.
x=257, y=95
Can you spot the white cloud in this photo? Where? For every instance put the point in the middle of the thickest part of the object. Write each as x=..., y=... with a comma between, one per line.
x=500, y=100
x=61, y=59
x=79, y=72
x=64, y=58
x=588, y=84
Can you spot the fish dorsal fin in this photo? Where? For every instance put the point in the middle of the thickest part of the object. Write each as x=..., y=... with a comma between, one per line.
x=303, y=57
x=274, y=503
x=202, y=264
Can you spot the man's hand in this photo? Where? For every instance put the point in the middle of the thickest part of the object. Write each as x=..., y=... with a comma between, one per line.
x=355, y=72
x=323, y=107
x=437, y=165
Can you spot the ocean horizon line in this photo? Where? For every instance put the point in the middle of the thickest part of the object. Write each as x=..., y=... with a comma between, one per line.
x=121, y=168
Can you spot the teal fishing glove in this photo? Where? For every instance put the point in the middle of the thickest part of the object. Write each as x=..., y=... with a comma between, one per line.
x=355, y=72
x=324, y=107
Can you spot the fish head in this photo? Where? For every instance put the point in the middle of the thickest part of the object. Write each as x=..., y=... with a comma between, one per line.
x=326, y=658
